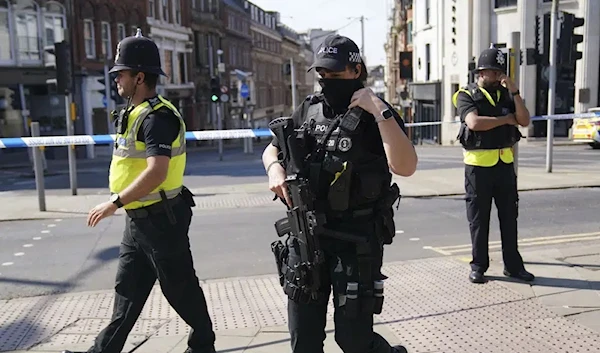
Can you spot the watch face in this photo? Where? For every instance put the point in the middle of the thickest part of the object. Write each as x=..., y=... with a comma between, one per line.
x=387, y=113
x=114, y=197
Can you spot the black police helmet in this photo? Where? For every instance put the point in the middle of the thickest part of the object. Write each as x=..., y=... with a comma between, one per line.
x=491, y=59
x=138, y=53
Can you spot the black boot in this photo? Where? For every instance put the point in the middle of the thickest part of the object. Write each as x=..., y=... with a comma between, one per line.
x=476, y=277
x=399, y=349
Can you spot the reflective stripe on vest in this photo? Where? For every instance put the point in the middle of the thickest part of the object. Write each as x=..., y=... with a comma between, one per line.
x=129, y=156
x=484, y=158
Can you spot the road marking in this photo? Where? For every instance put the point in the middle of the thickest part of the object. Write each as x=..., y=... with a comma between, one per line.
x=558, y=239
x=19, y=253
x=37, y=238
x=436, y=250
x=58, y=220
x=27, y=245
x=45, y=231
x=413, y=239
x=399, y=232
x=51, y=225
x=7, y=263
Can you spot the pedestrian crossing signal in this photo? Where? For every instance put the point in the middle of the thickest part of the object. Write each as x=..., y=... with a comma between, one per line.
x=215, y=89
x=214, y=98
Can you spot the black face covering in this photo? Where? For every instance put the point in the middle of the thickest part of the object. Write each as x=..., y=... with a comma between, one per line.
x=338, y=92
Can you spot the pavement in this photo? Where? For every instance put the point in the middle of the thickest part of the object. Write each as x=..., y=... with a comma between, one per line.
x=430, y=306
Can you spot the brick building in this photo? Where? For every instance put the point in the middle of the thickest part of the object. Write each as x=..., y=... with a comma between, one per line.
x=207, y=27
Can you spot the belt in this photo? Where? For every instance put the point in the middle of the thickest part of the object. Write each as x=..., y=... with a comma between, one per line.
x=157, y=208
x=350, y=214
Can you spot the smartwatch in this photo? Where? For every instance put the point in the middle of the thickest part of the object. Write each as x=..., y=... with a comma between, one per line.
x=384, y=115
x=114, y=198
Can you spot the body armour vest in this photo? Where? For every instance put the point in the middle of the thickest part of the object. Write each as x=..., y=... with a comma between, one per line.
x=488, y=104
x=365, y=177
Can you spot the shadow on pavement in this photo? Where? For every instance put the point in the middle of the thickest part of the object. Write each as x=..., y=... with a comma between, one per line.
x=553, y=282
x=565, y=264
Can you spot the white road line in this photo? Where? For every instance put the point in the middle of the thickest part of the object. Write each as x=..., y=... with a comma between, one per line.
x=37, y=238
x=58, y=220
x=51, y=225
x=7, y=263
x=45, y=231
x=27, y=245
x=436, y=250
x=399, y=232
x=413, y=239
x=19, y=253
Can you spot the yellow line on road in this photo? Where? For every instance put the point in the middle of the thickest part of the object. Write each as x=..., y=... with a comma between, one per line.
x=558, y=239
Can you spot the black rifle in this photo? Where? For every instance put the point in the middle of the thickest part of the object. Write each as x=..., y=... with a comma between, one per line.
x=303, y=159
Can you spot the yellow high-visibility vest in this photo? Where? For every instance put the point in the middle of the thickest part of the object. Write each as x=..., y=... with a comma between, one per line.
x=485, y=158
x=129, y=156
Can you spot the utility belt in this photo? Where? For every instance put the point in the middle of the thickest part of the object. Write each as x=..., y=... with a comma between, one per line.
x=164, y=206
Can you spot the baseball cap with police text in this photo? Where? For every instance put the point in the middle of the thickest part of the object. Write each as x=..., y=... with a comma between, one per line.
x=336, y=52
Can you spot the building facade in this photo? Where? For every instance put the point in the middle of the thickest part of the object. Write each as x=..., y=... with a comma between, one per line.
x=169, y=26
x=267, y=62
x=208, y=31
x=28, y=28
x=376, y=80
x=293, y=58
x=237, y=46
x=462, y=29
x=398, y=48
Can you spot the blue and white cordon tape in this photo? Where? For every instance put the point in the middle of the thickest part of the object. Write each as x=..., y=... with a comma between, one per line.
x=20, y=142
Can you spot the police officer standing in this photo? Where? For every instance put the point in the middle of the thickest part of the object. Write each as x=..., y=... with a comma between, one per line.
x=363, y=203
x=146, y=179
x=490, y=111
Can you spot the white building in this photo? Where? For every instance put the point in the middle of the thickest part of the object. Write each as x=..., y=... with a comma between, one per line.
x=450, y=33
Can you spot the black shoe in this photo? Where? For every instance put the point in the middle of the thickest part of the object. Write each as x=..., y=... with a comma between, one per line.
x=189, y=350
x=68, y=351
x=522, y=275
x=476, y=277
x=399, y=349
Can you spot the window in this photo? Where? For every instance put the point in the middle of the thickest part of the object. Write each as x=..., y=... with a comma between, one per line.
x=54, y=23
x=151, y=8
x=182, y=67
x=427, y=62
x=26, y=20
x=505, y=3
x=5, y=45
x=106, y=46
x=88, y=37
x=121, y=31
x=169, y=66
x=409, y=30
x=165, y=10
x=177, y=11
x=427, y=11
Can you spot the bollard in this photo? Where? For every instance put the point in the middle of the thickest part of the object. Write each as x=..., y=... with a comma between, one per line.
x=71, y=152
x=38, y=168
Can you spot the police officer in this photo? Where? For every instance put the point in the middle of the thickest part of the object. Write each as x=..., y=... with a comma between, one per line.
x=377, y=145
x=490, y=111
x=146, y=179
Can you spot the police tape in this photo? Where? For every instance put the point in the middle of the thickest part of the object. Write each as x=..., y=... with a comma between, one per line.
x=20, y=142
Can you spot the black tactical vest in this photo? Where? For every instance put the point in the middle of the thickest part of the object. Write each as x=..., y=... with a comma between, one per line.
x=366, y=178
x=488, y=104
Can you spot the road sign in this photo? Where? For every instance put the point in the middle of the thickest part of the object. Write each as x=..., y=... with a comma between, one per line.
x=224, y=89
x=244, y=91
x=224, y=97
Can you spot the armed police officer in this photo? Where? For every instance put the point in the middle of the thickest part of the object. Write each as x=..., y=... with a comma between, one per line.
x=490, y=111
x=340, y=202
x=146, y=179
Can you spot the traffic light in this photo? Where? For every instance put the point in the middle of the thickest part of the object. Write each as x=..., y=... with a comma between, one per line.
x=62, y=53
x=568, y=41
x=406, y=68
x=113, y=92
x=215, y=90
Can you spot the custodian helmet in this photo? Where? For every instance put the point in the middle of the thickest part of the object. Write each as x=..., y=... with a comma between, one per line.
x=491, y=59
x=138, y=53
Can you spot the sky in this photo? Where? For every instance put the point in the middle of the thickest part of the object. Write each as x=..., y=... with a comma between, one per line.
x=338, y=14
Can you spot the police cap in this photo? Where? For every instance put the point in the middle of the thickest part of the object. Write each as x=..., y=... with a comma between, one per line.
x=491, y=59
x=138, y=53
x=335, y=53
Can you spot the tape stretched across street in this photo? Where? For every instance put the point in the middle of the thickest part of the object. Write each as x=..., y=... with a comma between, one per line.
x=20, y=142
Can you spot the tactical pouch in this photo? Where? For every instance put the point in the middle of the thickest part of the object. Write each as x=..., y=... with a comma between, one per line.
x=188, y=197
x=339, y=190
x=281, y=253
x=386, y=226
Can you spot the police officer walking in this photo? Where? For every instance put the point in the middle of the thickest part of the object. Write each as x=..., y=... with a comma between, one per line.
x=359, y=201
x=490, y=111
x=146, y=179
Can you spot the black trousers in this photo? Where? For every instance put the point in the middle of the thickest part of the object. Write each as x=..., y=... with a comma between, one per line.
x=153, y=248
x=307, y=320
x=482, y=184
